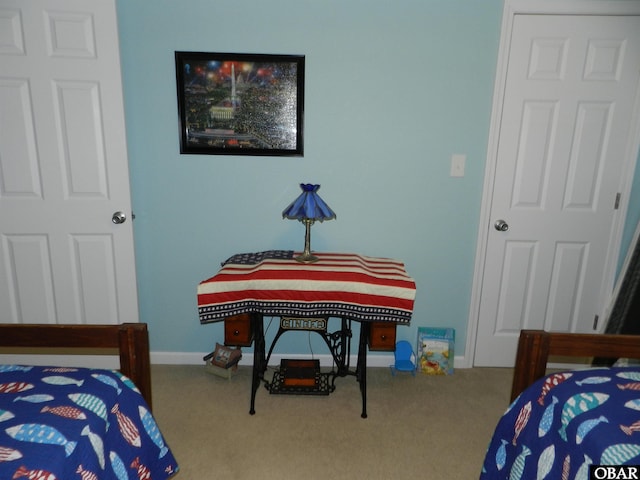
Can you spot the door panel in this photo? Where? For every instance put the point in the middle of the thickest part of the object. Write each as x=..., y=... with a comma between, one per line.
x=27, y=258
x=79, y=122
x=564, y=132
x=17, y=135
x=63, y=166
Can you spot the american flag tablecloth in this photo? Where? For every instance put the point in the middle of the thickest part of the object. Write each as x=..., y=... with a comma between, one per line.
x=272, y=283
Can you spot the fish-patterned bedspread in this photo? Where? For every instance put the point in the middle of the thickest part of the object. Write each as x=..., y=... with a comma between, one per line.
x=565, y=422
x=77, y=423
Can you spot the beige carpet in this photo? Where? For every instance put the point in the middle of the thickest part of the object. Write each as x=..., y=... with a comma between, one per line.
x=434, y=428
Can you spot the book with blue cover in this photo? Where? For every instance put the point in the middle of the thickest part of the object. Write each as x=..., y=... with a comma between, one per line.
x=436, y=348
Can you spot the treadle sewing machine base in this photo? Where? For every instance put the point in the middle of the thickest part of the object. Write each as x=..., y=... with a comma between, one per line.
x=303, y=377
x=300, y=377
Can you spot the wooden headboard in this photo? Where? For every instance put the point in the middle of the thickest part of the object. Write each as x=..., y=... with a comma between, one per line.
x=536, y=346
x=130, y=339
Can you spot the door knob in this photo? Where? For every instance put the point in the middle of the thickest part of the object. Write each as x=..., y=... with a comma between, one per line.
x=118, y=218
x=501, y=226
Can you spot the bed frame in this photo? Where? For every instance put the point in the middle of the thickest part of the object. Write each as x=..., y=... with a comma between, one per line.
x=130, y=339
x=536, y=346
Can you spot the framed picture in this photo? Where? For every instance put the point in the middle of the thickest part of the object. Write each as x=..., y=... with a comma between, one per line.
x=240, y=104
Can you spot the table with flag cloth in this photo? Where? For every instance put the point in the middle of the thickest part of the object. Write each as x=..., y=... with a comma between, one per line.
x=347, y=286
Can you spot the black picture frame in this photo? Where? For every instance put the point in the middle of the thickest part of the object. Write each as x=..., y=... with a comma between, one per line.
x=240, y=103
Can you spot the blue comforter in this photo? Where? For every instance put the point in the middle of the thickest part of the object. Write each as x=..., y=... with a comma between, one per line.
x=565, y=422
x=76, y=423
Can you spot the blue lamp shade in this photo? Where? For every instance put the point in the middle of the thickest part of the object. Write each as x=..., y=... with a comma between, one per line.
x=309, y=205
x=308, y=208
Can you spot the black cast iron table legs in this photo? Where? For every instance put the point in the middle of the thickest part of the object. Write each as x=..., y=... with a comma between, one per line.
x=339, y=344
x=361, y=368
x=259, y=359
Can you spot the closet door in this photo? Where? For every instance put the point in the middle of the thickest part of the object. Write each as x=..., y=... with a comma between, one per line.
x=564, y=140
x=66, y=255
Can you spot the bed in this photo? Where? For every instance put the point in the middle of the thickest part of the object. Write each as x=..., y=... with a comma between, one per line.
x=68, y=422
x=562, y=421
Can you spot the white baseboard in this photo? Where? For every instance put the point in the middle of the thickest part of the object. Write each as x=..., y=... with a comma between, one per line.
x=186, y=358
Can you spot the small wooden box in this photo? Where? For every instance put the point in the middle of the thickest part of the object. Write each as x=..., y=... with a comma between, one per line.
x=238, y=331
x=382, y=336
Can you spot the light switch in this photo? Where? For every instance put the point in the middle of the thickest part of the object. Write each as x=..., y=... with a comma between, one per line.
x=457, y=164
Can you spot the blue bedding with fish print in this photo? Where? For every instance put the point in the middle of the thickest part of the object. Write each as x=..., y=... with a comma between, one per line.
x=565, y=422
x=77, y=423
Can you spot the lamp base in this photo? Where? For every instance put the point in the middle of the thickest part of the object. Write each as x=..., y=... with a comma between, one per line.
x=306, y=257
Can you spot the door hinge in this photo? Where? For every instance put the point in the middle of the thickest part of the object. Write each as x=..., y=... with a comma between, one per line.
x=617, y=204
x=595, y=322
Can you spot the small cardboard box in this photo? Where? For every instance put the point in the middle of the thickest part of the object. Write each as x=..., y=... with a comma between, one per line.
x=223, y=361
x=221, y=371
x=436, y=350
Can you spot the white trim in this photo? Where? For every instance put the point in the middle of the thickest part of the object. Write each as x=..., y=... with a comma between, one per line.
x=557, y=7
x=490, y=165
x=183, y=358
x=572, y=7
x=191, y=358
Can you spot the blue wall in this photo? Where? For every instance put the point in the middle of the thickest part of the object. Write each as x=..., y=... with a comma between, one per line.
x=393, y=89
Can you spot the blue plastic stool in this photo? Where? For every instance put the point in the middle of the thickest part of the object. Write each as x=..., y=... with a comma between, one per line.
x=405, y=358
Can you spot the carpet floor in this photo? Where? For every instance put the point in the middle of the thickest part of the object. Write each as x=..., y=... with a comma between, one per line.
x=427, y=427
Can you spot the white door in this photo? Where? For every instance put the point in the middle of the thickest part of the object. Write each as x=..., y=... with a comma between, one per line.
x=63, y=166
x=564, y=139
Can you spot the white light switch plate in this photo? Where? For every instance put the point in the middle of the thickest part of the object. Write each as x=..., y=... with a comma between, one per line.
x=457, y=164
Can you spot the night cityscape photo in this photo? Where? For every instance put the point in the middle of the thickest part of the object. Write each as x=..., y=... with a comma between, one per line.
x=236, y=105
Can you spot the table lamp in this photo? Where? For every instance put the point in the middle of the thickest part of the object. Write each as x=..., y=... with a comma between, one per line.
x=308, y=208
